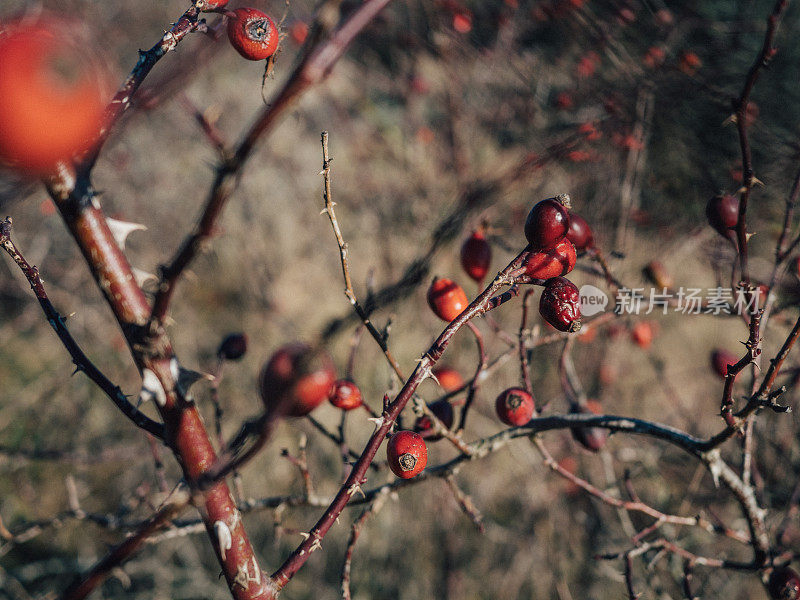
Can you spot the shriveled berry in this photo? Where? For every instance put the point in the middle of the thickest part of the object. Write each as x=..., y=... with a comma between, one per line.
x=722, y=213
x=784, y=584
x=446, y=298
x=579, y=233
x=443, y=411
x=591, y=438
x=642, y=334
x=720, y=359
x=345, y=394
x=233, y=347
x=476, y=256
x=448, y=378
x=560, y=304
x=407, y=454
x=296, y=379
x=553, y=262
x=547, y=223
x=252, y=33
x=515, y=406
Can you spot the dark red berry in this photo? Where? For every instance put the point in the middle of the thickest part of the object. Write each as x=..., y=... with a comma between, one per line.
x=446, y=298
x=296, y=379
x=720, y=359
x=580, y=234
x=345, y=394
x=476, y=255
x=443, y=411
x=547, y=223
x=591, y=438
x=553, y=262
x=722, y=213
x=560, y=305
x=252, y=33
x=407, y=454
x=233, y=347
x=784, y=584
x=515, y=406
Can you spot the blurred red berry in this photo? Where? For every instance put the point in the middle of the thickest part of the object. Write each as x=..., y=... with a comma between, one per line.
x=233, y=347
x=642, y=334
x=296, y=379
x=443, y=411
x=448, y=378
x=462, y=21
x=52, y=95
x=299, y=32
x=564, y=101
x=580, y=234
x=476, y=256
x=446, y=298
x=722, y=213
x=407, y=454
x=344, y=394
x=784, y=584
x=654, y=57
x=591, y=438
x=689, y=62
x=720, y=359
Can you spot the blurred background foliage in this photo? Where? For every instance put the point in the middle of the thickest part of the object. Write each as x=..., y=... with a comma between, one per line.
x=433, y=101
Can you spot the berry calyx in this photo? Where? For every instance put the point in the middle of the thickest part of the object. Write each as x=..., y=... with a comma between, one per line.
x=345, y=395
x=296, y=379
x=579, y=233
x=476, y=255
x=233, y=347
x=446, y=298
x=443, y=411
x=448, y=378
x=784, y=584
x=515, y=406
x=407, y=454
x=720, y=359
x=52, y=95
x=722, y=213
x=547, y=223
x=252, y=33
x=553, y=262
x=591, y=438
x=560, y=305
x=210, y=5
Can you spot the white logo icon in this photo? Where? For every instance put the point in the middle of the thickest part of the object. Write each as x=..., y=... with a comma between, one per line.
x=593, y=300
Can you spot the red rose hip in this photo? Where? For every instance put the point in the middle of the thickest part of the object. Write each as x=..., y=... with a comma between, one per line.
x=720, y=359
x=443, y=411
x=476, y=255
x=722, y=213
x=591, y=438
x=446, y=298
x=448, y=378
x=252, y=33
x=560, y=305
x=580, y=234
x=547, y=223
x=515, y=406
x=296, y=379
x=407, y=454
x=784, y=584
x=553, y=262
x=345, y=394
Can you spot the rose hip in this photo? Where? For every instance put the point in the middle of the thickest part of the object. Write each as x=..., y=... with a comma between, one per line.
x=560, y=305
x=547, y=223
